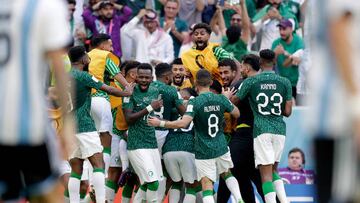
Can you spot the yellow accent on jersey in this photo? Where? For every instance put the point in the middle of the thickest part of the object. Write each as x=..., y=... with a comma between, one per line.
x=205, y=58
x=116, y=102
x=55, y=116
x=186, y=84
x=98, y=62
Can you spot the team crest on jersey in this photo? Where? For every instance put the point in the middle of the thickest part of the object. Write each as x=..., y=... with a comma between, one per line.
x=189, y=108
x=126, y=99
x=151, y=174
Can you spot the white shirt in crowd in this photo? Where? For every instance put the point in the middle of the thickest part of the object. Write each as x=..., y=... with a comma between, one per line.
x=149, y=46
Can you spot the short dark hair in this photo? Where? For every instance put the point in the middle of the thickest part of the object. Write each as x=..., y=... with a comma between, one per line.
x=216, y=85
x=202, y=25
x=191, y=91
x=253, y=60
x=130, y=65
x=98, y=39
x=177, y=61
x=203, y=78
x=233, y=34
x=228, y=62
x=71, y=2
x=76, y=53
x=296, y=149
x=161, y=69
x=144, y=66
x=267, y=54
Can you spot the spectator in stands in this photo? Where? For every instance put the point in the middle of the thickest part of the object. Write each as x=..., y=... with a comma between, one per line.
x=188, y=41
x=77, y=28
x=107, y=21
x=191, y=10
x=153, y=45
x=288, y=49
x=173, y=25
x=267, y=19
x=295, y=173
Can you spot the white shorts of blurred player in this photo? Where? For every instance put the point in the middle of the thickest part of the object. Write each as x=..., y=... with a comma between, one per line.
x=146, y=164
x=268, y=148
x=115, y=160
x=101, y=113
x=180, y=165
x=65, y=168
x=211, y=168
x=160, y=138
x=87, y=144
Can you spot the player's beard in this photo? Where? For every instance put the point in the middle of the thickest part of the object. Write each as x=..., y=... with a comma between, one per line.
x=178, y=82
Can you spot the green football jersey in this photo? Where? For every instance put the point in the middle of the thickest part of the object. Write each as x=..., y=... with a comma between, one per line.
x=82, y=101
x=140, y=135
x=180, y=140
x=267, y=93
x=171, y=98
x=207, y=111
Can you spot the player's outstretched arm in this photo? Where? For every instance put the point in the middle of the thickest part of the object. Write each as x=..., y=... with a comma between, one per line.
x=117, y=92
x=131, y=117
x=288, y=108
x=182, y=123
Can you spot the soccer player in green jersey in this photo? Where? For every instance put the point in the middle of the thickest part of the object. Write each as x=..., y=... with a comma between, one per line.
x=88, y=145
x=212, y=156
x=270, y=98
x=142, y=147
x=171, y=99
x=179, y=158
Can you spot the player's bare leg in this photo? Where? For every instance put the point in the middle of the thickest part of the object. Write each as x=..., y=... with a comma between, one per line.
x=233, y=185
x=207, y=188
x=267, y=184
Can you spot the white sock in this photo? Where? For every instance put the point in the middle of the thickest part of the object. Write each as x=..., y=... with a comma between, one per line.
x=99, y=186
x=280, y=190
x=74, y=190
x=270, y=197
x=66, y=199
x=109, y=194
x=125, y=200
x=152, y=196
x=106, y=161
x=140, y=196
x=208, y=199
x=233, y=186
x=190, y=198
x=83, y=200
x=161, y=189
x=174, y=196
x=123, y=154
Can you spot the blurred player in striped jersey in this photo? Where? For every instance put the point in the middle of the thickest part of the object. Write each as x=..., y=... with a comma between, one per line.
x=31, y=32
x=335, y=98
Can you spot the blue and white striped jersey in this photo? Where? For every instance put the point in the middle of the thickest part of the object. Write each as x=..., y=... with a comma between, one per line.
x=28, y=29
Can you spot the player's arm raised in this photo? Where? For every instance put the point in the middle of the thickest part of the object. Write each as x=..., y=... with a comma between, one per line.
x=117, y=92
x=131, y=117
x=182, y=123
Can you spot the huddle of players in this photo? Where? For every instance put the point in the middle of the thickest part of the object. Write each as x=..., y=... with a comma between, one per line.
x=196, y=149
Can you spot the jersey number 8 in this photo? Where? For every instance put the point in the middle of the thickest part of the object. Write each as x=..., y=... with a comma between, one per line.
x=213, y=125
x=277, y=105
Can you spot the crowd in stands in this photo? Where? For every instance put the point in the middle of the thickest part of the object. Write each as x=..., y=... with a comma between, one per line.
x=156, y=31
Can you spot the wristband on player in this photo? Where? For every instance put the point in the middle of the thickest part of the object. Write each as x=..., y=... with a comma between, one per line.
x=149, y=108
x=162, y=124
